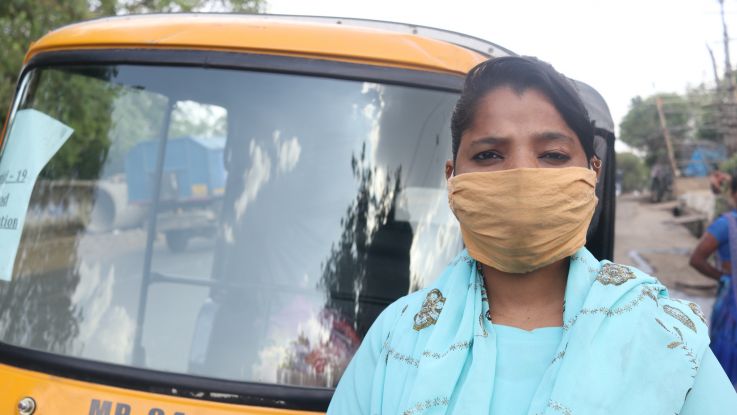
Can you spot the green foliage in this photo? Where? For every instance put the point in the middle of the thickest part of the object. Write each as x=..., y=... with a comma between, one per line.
x=633, y=170
x=24, y=21
x=86, y=109
x=137, y=115
x=706, y=115
x=640, y=128
x=99, y=112
x=729, y=165
x=167, y=6
x=690, y=118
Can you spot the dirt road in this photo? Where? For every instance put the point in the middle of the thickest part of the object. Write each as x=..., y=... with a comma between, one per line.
x=646, y=240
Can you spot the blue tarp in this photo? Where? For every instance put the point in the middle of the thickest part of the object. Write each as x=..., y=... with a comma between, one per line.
x=702, y=160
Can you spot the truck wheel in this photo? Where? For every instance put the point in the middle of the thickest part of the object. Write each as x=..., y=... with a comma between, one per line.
x=177, y=241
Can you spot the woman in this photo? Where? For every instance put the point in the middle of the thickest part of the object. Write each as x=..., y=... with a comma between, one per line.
x=720, y=237
x=526, y=320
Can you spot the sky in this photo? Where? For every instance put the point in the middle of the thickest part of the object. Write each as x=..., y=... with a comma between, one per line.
x=623, y=48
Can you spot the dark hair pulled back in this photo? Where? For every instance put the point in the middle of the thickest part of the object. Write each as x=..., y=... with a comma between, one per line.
x=522, y=73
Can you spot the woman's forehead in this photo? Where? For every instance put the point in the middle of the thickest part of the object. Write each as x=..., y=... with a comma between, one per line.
x=505, y=114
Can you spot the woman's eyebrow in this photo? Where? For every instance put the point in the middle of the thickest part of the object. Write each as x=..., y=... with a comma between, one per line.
x=490, y=140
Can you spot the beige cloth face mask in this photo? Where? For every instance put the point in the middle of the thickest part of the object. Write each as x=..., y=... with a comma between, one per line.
x=521, y=220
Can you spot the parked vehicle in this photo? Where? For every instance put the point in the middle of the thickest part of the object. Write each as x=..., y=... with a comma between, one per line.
x=321, y=186
x=192, y=185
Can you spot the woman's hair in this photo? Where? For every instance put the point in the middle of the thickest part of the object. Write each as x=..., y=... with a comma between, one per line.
x=522, y=73
x=733, y=182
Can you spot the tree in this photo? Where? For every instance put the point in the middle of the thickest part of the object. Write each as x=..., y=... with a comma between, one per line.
x=109, y=7
x=633, y=170
x=691, y=119
x=640, y=127
x=705, y=108
x=23, y=21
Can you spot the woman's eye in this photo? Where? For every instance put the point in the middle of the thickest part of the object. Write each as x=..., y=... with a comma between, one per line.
x=555, y=156
x=487, y=155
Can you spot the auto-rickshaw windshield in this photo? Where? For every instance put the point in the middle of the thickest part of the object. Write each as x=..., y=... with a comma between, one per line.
x=225, y=223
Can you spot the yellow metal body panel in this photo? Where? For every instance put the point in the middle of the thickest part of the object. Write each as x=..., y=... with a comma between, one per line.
x=60, y=396
x=249, y=34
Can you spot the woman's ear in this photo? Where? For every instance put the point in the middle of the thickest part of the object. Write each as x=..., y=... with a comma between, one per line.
x=448, y=169
x=596, y=165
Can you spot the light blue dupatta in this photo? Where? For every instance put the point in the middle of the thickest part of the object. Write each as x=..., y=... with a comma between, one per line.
x=627, y=348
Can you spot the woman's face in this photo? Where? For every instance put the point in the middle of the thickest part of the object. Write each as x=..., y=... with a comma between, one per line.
x=512, y=130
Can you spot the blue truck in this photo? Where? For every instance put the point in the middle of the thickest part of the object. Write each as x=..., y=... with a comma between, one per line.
x=192, y=185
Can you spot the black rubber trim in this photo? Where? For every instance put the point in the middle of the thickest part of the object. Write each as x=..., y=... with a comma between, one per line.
x=186, y=386
x=251, y=61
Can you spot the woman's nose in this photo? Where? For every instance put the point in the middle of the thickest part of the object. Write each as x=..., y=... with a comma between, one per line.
x=520, y=160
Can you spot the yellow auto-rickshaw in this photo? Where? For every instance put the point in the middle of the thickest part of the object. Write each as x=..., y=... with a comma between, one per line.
x=203, y=214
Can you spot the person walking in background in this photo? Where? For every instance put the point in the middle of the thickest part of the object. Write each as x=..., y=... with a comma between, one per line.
x=719, y=183
x=721, y=237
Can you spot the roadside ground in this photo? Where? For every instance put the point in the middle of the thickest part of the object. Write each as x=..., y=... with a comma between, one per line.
x=647, y=238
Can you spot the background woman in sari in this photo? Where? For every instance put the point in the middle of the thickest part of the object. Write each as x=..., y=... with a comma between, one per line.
x=721, y=237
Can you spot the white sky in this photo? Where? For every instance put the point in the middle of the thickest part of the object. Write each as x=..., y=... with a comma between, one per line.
x=623, y=48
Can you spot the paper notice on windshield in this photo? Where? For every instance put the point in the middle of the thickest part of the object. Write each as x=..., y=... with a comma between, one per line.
x=34, y=138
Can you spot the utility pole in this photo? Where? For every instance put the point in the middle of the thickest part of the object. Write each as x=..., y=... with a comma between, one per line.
x=668, y=142
x=719, y=98
x=727, y=61
x=716, y=71
x=729, y=108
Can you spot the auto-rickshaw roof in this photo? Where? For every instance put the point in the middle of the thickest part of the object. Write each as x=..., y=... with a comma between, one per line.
x=350, y=40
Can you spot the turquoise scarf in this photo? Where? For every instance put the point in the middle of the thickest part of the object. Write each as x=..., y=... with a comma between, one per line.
x=627, y=347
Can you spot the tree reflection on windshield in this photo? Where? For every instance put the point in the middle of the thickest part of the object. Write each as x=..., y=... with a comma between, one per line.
x=371, y=262
x=308, y=205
